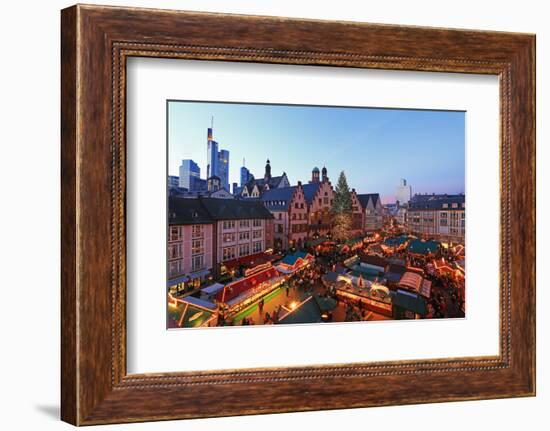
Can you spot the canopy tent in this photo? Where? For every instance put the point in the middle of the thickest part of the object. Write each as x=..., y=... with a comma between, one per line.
x=411, y=281
x=422, y=247
x=237, y=287
x=177, y=280
x=212, y=289
x=200, y=303
x=410, y=301
x=396, y=241
x=307, y=311
x=185, y=315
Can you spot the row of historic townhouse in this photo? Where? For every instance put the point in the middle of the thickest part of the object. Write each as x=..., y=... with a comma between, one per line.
x=205, y=232
x=440, y=216
x=305, y=211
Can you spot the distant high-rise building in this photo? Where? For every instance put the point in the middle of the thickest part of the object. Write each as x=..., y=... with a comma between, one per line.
x=211, y=155
x=245, y=175
x=223, y=168
x=403, y=192
x=217, y=161
x=173, y=181
x=189, y=174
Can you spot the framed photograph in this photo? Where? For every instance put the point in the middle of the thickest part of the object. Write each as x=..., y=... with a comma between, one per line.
x=265, y=215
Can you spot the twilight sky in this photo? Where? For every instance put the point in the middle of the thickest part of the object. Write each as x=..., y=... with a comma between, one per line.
x=374, y=147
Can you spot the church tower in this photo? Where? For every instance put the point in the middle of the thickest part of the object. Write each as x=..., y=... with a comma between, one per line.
x=267, y=175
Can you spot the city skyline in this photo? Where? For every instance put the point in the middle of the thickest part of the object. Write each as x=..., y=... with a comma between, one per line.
x=425, y=147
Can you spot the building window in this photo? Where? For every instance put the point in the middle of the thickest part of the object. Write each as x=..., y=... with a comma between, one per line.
x=175, y=251
x=175, y=233
x=257, y=223
x=197, y=247
x=175, y=268
x=197, y=262
x=257, y=234
x=244, y=223
x=257, y=247
x=228, y=237
x=197, y=231
x=280, y=216
x=228, y=224
x=244, y=235
x=228, y=253
x=244, y=250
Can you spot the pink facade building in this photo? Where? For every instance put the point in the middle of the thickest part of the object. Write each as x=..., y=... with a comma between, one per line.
x=205, y=232
x=319, y=196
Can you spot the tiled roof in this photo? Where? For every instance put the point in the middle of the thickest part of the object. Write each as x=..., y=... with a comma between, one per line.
x=366, y=197
x=310, y=190
x=278, y=199
x=187, y=211
x=260, y=182
x=235, y=209
x=435, y=202
x=207, y=210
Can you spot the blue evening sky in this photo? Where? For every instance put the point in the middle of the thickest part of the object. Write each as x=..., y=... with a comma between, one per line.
x=374, y=147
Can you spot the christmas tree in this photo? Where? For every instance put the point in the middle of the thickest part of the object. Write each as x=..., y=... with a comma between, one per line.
x=342, y=209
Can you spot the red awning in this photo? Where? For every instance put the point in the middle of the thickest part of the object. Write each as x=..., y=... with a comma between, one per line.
x=237, y=287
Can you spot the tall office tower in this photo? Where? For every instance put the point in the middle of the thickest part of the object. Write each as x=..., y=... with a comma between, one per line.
x=403, y=192
x=223, y=168
x=245, y=175
x=211, y=155
x=189, y=174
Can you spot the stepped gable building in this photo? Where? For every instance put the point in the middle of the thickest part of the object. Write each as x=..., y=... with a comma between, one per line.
x=205, y=232
x=438, y=216
x=289, y=209
x=300, y=212
x=255, y=187
x=319, y=196
x=373, y=211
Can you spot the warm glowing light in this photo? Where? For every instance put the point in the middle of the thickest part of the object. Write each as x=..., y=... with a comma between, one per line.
x=293, y=305
x=173, y=302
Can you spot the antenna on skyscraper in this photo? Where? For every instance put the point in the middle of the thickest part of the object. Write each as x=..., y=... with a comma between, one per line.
x=212, y=123
x=243, y=162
